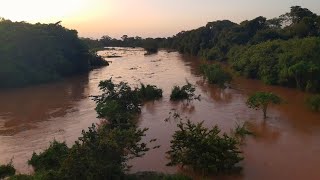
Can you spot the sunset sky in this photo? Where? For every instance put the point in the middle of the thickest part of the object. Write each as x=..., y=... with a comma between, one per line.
x=94, y=18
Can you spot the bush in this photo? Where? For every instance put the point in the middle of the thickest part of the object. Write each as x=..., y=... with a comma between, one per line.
x=150, y=46
x=204, y=150
x=215, y=74
x=51, y=159
x=7, y=170
x=213, y=54
x=314, y=102
x=102, y=153
x=118, y=103
x=149, y=92
x=186, y=92
x=97, y=61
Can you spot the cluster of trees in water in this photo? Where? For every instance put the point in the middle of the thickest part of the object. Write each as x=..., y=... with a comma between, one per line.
x=38, y=53
x=103, y=151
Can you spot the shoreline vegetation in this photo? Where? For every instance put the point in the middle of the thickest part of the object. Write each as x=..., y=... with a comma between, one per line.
x=283, y=51
x=40, y=53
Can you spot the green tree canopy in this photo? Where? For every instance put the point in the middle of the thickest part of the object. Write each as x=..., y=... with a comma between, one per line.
x=261, y=100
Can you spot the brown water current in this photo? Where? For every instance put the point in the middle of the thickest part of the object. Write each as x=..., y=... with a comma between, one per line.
x=286, y=146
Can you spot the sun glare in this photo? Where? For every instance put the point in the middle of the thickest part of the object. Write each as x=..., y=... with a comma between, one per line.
x=40, y=10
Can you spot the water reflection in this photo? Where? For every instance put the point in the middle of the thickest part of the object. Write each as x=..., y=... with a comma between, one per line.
x=219, y=95
x=263, y=131
x=21, y=109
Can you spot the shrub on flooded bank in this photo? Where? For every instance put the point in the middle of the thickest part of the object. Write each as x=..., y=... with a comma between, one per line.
x=149, y=92
x=7, y=170
x=119, y=103
x=185, y=92
x=150, y=46
x=50, y=159
x=215, y=74
x=204, y=150
x=314, y=102
x=100, y=153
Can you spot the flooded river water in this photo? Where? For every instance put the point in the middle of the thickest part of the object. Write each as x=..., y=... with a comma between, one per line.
x=286, y=146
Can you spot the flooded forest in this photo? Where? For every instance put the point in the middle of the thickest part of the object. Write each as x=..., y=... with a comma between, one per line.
x=224, y=101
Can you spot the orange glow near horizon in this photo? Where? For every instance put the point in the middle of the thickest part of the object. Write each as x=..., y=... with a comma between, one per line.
x=146, y=18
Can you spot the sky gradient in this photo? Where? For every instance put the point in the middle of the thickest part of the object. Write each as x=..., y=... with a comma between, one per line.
x=146, y=18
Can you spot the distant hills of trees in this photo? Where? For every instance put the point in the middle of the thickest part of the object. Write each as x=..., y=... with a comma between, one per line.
x=32, y=54
x=280, y=51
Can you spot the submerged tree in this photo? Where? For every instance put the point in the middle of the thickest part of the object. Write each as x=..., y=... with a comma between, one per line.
x=204, y=150
x=314, y=102
x=215, y=74
x=185, y=92
x=261, y=100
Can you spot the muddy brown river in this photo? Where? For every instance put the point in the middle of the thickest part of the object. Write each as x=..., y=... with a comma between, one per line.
x=286, y=145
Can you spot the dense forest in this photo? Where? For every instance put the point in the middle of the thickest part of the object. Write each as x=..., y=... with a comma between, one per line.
x=279, y=51
x=32, y=54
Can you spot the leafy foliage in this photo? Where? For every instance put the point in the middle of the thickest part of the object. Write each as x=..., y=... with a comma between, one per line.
x=7, y=170
x=38, y=53
x=215, y=74
x=51, y=159
x=292, y=63
x=204, y=149
x=119, y=103
x=149, y=92
x=261, y=100
x=314, y=102
x=102, y=153
x=185, y=92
